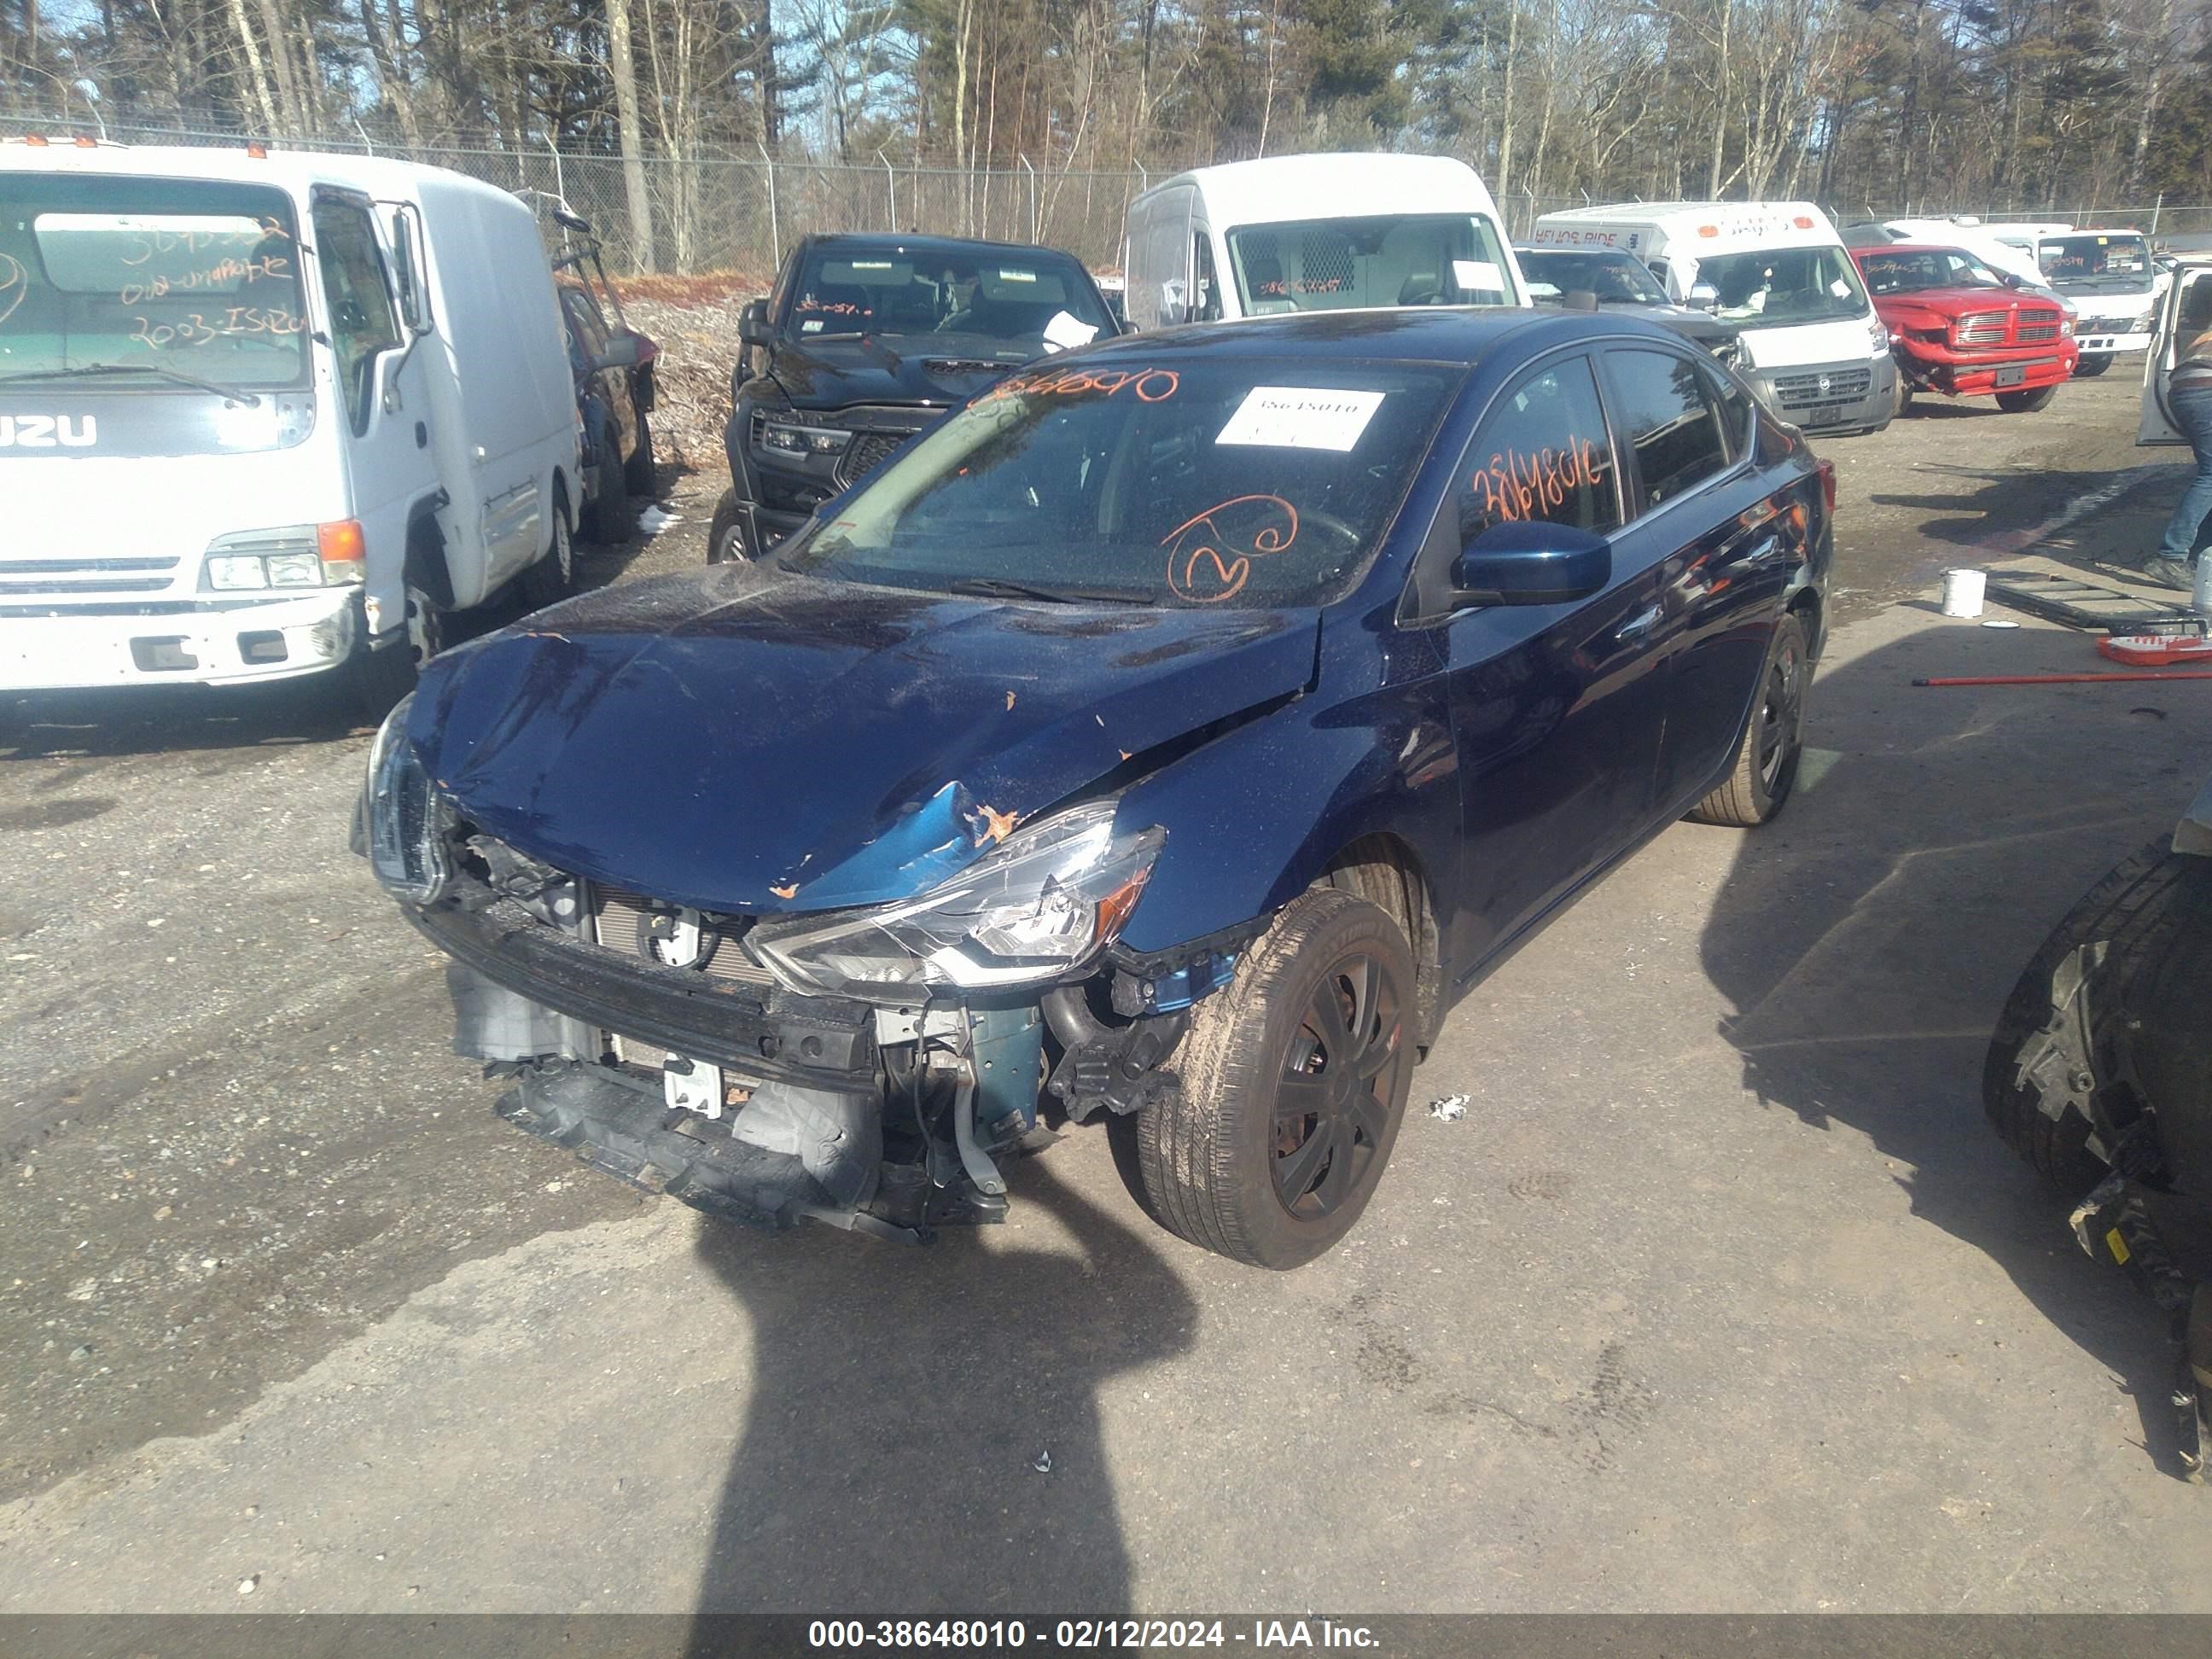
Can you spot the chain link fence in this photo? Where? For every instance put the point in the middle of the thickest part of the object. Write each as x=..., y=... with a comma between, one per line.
x=738, y=214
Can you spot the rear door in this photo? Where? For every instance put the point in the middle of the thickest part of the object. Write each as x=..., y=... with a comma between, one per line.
x=1721, y=542
x=2186, y=313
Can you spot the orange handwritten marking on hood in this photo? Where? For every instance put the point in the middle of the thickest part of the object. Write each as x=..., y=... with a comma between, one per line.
x=1010, y=701
x=791, y=891
x=997, y=826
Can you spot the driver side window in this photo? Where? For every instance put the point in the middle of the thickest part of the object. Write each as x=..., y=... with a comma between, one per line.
x=1543, y=454
x=363, y=326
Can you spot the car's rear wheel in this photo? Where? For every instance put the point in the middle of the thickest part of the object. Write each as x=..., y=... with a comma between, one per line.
x=1294, y=1083
x=1766, y=763
x=2093, y=364
x=613, y=517
x=638, y=471
x=726, y=536
x=2025, y=403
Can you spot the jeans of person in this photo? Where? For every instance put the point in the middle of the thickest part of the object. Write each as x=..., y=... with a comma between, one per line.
x=2192, y=414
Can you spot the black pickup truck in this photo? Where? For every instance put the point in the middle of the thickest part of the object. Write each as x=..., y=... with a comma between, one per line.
x=866, y=341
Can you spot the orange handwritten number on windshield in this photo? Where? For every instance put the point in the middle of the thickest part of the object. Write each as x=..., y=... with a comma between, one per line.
x=1202, y=539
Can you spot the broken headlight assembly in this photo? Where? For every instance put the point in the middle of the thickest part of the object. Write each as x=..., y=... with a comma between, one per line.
x=1047, y=902
x=408, y=819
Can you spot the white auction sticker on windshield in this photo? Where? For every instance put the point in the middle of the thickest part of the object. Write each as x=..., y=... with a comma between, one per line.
x=1017, y=276
x=1477, y=273
x=1065, y=332
x=1301, y=417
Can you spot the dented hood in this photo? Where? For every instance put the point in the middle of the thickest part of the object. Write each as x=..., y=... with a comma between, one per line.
x=741, y=740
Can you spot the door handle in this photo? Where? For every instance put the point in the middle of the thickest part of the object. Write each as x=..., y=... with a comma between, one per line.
x=1638, y=625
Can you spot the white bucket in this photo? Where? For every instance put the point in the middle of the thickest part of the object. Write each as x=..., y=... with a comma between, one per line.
x=1962, y=592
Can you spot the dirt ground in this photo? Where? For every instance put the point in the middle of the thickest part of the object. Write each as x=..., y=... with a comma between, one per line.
x=1721, y=1296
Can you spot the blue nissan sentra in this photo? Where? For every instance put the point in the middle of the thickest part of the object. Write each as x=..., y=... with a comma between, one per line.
x=1175, y=734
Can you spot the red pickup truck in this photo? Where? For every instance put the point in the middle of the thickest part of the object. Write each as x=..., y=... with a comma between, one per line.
x=1959, y=328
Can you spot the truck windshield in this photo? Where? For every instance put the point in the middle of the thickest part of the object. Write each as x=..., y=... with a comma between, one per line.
x=1012, y=304
x=1614, y=278
x=1784, y=285
x=188, y=280
x=1186, y=480
x=1910, y=273
x=1388, y=260
x=2094, y=260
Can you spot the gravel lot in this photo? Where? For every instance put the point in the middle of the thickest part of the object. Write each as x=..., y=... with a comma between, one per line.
x=1721, y=1296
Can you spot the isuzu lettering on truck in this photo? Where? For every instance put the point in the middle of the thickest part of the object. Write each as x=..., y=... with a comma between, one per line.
x=1810, y=338
x=267, y=416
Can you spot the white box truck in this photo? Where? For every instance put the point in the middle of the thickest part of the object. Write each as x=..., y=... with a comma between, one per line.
x=1317, y=233
x=1810, y=341
x=267, y=414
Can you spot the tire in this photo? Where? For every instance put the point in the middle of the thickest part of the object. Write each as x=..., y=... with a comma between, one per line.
x=613, y=515
x=554, y=576
x=1904, y=399
x=638, y=471
x=1211, y=1161
x=2127, y=909
x=2093, y=364
x=1773, y=738
x=726, y=536
x=2027, y=402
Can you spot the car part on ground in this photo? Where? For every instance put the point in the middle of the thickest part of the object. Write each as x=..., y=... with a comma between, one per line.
x=2099, y=1075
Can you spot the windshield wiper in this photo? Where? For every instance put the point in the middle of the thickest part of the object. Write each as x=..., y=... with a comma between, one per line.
x=236, y=394
x=999, y=588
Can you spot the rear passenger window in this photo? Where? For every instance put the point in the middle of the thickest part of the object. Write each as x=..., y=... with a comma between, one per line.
x=1665, y=412
x=1735, y=413
x=1543, y=454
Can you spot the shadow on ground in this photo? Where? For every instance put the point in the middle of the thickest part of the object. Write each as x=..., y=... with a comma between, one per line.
x=1869, y=937
x=903, y=1400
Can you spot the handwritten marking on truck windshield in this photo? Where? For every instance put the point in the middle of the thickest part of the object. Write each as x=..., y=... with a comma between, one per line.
x=199, y=329
x=224, y=274
x=1207, y=563
x=14, y=284
x=146, y=245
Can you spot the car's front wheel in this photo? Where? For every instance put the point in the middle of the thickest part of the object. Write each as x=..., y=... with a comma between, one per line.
x=2025, y=403
x=1294, y=1083
x=726, y=535
x=2093, y=364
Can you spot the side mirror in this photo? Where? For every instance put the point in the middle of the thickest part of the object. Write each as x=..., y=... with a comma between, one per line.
x=2010, y=279
x=1580, y=299
x=1705, y=296
x=1526, y=563
x=622, y=352
x=753, y=326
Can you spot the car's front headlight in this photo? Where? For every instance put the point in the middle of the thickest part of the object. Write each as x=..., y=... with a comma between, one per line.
x=408, y=819
x=2065, y=328
x=1050, y=899
x=1878, y=336
x=298, y=556
x=789, y=440
x=2144, y=324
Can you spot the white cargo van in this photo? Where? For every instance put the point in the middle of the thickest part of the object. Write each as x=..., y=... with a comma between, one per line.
x=265, y=416
x=2108, y=276
x=1317, y=233
x=2184, y=311
x=1778, y=270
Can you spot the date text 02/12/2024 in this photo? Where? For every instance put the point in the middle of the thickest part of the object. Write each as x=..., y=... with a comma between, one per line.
x=999, y=1634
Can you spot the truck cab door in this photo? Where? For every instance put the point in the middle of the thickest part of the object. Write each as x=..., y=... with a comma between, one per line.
x=381, y=406
x=2186, y=312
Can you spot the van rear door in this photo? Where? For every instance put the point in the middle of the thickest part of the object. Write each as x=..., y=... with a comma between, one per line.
x=2186, y=313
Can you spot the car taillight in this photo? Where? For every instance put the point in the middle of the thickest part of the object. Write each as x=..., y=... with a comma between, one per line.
x=1827, y=471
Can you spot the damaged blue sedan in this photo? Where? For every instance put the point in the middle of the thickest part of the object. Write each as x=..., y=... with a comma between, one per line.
x=1171, y=736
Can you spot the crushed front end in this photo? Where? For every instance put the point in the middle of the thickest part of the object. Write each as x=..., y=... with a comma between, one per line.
x=870, y=1068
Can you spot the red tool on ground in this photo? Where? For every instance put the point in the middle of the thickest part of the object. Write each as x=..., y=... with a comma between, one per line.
x=2065, y=680
x=2153, y=650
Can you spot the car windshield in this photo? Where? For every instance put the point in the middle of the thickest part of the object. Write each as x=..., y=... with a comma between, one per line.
x=1615, y=278
x=172, y=277
x=1784, y=285
x=1190, y=480
x=2094, y=258
x=1387, y=259
x=1909, y=273
x=1005, y=304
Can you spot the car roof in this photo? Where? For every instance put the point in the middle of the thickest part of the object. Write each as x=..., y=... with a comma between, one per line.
x=1919, y=247
x=925, y=245
x=1461, y=335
